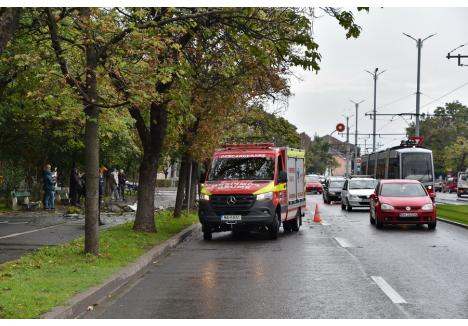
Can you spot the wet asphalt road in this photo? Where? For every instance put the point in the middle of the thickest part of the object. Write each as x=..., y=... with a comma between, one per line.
x=341, y=268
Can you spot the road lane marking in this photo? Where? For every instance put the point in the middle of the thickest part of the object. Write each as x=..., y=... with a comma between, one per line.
x=26, y=232
x=325, y=222
x=388, y=290
x=343, y=242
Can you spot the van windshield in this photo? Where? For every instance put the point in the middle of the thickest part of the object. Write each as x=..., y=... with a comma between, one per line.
x=246, y=168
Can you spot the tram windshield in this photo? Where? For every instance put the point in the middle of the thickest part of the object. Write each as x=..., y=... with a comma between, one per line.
x=417, y=166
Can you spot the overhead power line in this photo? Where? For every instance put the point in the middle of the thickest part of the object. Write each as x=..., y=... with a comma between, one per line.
x=446, y=94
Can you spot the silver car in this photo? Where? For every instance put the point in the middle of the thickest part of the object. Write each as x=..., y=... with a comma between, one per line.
x=356, y=192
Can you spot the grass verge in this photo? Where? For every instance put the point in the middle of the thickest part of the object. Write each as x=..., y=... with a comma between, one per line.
x=46, y=278
x=455, y=213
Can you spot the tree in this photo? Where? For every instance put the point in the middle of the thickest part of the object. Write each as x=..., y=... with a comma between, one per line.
x=318, y=157
x=441, y=130
x=456, y=155
x=82, y=39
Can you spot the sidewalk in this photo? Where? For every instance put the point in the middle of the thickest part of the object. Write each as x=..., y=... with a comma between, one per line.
x=24, y=231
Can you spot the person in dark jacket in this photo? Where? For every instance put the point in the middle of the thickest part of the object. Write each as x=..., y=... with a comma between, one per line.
x=82, y=192
x=101, y=192
x=75, y=187
x=49, y=188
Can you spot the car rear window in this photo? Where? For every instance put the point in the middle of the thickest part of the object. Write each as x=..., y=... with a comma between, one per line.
x=403, y=190
x=336, y=184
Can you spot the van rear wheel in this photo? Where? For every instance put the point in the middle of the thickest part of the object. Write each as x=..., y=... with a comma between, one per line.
x=296, y=223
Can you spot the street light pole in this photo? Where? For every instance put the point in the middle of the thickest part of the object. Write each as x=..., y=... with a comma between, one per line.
x=356, y=104
x=347, y=143
x=375, y=75
x=419, y=44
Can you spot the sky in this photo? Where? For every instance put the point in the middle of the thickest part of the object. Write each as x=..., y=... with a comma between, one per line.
x=321, y=99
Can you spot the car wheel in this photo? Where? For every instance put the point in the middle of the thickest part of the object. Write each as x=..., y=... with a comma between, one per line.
x=371, y=219
x=432, y=226
x=207, y=235
x=378, y=223
x=349, y=208
x=343, y=206
x=296, y=223
x=273, y=228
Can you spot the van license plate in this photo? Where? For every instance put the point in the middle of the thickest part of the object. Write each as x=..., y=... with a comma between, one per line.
x=408, y=214
x=231, y=217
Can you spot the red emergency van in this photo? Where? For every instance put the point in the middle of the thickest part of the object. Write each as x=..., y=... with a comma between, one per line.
x=251, y=187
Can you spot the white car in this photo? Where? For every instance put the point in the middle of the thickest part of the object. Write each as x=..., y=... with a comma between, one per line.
x=356, y=192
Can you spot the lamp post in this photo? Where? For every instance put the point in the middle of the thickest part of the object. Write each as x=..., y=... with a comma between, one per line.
x=419, y=44
x=375, y=75
x=356, y=104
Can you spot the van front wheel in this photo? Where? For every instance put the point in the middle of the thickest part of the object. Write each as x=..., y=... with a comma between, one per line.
x=273, y=228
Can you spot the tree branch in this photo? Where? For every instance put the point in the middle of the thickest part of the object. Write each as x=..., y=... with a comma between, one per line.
x=55, y=39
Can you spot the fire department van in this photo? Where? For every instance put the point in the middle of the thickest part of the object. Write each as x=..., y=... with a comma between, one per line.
x=252, y=187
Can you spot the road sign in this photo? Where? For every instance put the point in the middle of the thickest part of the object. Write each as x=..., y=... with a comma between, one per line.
x=340, y=127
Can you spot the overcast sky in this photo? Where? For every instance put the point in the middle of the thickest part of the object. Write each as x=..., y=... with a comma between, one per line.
x=321, y=99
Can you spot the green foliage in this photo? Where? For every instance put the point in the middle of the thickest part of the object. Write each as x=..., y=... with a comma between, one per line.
x=50, y=276
x=456, y=155
x=317, y=157
x=441, y=133
x=257, y=125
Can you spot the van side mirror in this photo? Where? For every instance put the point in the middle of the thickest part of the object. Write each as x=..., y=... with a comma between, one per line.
x=282, y=177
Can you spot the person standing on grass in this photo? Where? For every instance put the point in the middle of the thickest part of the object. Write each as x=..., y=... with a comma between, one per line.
x=115, y=185
x=49, y=189
x=122, y=183
x=101, y=192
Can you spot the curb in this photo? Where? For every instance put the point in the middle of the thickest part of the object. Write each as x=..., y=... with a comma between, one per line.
x=78, y=304
x=452, y=222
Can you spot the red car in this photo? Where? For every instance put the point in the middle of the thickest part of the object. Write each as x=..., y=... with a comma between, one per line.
x=402, y=202
x=313, y=184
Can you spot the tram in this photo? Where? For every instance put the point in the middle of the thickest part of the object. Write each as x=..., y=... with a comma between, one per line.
x=407, y=161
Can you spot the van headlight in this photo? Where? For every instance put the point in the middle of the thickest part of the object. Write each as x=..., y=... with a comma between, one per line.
x=204, y=197
x=387, y=207
x=265, y=196
x=354, y=197
x=427, y=207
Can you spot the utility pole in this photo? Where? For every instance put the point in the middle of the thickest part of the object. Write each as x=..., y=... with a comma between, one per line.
x=356, y=104
x=375, y=75
x=419, y=44
x=347, y=143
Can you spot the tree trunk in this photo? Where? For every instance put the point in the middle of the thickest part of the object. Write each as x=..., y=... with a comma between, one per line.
x=194, y=184
x=91, y=146
x=9, y=18
x=188, y=183
x=92, y=180
x=144, y=220
x=181, y=186
x=152, y=148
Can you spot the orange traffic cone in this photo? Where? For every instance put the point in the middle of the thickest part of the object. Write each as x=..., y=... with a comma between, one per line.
x=317, y=214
